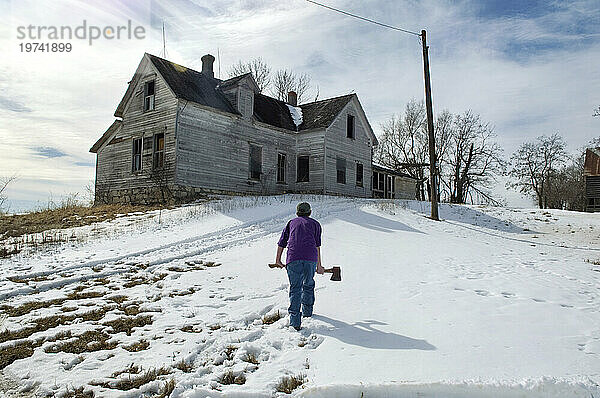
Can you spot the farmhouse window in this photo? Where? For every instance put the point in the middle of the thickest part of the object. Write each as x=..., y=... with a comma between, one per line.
x=303, y=170
x=350, y=127
x=159, y=151
x=281, y=163
x=149, y=96
x=255, y=162
x=136, y=162
x=359, y=175
x=341, y=170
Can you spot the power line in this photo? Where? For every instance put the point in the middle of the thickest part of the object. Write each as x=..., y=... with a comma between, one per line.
x=364, y=19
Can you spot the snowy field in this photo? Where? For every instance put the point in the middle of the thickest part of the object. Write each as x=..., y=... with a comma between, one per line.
x=490, y=302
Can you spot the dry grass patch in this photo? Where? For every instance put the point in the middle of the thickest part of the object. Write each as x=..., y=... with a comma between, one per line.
x=191, y=290
x=287, y=384
x=79, y=295
x=9, y=354
x=126, y=324
x=137, y=346
x=270, y=319
x=230, y=378
x=184, y=366
x=230, y=351
x=166, y=390
x=132, y=369
x=92, y=340
x=67, y=216
x=17, y=279
x=135, y=382
x=118, y=299
x=30, y=306
x=50, y=322
x=190, y=329
x=26, y=308
x=78, y=393
x=144, y=280
x=250, y=357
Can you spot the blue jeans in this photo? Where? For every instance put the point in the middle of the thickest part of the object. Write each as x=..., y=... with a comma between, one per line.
x=302, y=289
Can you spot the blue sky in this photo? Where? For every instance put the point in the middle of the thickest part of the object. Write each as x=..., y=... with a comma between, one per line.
x=528, y=67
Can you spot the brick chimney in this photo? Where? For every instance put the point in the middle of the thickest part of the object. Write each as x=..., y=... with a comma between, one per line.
x=207, y=65
x=292, y=98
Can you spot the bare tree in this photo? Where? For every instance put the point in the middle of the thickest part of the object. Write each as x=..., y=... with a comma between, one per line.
x=474, y=159
x=596, y=112
x=286, y=80
x=535, y=166
x=4, y=183
x=261, y=72
x=404, y=144
x=160, y=180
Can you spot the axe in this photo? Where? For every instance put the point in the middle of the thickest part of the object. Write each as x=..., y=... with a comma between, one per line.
x=336, y=272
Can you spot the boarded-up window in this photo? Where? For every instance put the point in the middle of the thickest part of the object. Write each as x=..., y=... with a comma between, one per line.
x=302, y=170
x=359, y=174
x=340, y=165
x=149, y=96
x=350, y=127
x=281, y=163
x=255, y=162
x=159, y=151
x=136, y=161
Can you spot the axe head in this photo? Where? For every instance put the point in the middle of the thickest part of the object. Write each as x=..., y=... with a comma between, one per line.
x=336, y=274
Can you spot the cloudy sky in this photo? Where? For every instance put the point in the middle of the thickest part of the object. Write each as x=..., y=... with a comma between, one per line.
x=528, y=67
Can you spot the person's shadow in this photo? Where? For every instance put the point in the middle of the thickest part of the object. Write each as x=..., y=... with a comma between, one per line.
x=365, y=335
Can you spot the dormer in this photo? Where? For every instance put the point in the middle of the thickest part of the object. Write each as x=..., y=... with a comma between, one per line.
x=240, y=91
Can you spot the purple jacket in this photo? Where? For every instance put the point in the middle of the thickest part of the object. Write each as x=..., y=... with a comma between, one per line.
x=301, y=236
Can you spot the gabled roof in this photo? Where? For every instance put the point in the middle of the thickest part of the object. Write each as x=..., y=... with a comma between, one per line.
x=225, y=84
x=272, y=111
x=107, y=134
x=320, y=114
x=192, y=85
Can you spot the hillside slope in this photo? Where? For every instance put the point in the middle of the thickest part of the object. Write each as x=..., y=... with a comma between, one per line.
x=489, y=302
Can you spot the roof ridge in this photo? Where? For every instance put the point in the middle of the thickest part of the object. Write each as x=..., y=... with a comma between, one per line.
x=174, y=63
x=328, y=99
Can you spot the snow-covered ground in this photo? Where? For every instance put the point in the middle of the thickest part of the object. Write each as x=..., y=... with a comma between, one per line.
x=489, y=302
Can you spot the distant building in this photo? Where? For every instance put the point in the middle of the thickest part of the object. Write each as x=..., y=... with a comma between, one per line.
x=591, y=176
x=390, y=184
x=181, y=133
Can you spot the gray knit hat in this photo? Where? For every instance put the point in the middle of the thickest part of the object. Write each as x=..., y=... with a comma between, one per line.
x=303, y=209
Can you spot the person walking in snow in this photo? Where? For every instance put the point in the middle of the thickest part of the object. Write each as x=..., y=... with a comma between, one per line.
x=302, y=237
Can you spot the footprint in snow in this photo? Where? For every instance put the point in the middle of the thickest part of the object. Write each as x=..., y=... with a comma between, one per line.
x=482, y=292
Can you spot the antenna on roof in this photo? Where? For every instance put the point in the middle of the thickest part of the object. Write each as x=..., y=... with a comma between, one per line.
x=164, y=52
x=219, y=61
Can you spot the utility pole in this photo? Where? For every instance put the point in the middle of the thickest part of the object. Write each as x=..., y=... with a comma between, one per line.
x=428, y=104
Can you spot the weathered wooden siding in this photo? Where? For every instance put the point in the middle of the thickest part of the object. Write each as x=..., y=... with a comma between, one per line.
x=405, y=188
x=592, y=193
x=357, y=150
x=311, y=144
x=114, y=159
x=214, y=152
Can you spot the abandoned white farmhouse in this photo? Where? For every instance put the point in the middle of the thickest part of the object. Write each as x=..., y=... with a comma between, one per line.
x=182, y=133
